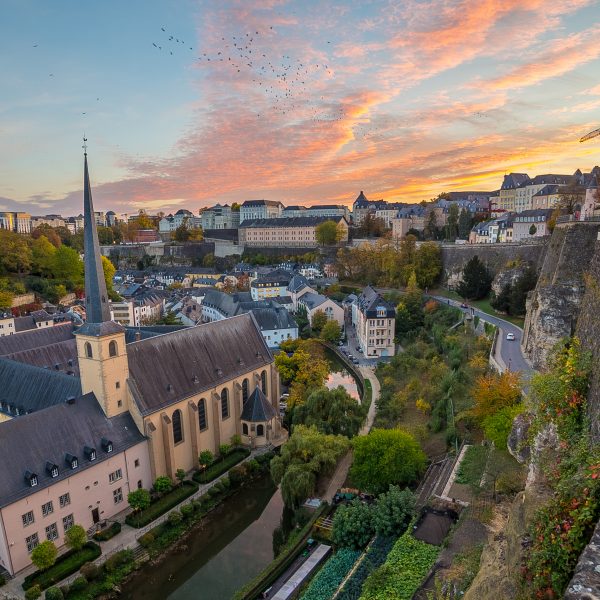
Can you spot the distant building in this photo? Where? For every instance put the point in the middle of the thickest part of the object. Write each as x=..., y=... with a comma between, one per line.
x=298, y=286
x=20, y=222
x=374, y=320
x=299, y=232
x=260, y=209
x=294, y=210
x=313, y=302
x=508, y=191
x=362, y=207
x=50, y=220
x=270, y=285
x=146, y=236
x=327, y=210
x=146, y=307
x=531, y=223
x=220, y=216
x=168, y=225
x=592, y=199
x=526, y=191
x=111, y=218
x=547, y=197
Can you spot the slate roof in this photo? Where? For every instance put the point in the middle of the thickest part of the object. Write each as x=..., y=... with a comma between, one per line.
x=312, y=300
x=61, y=356
x=370, y=300
x=297, y=282
x=36, y=338
x=361, y=200
x=278, y=276
x=257, y=409
x=48, y=435
x=168, y=368
x=287, y=222
x=262, y=203
x=548, y=190
x=30, y=388
x=514, y=180
x=273, y=319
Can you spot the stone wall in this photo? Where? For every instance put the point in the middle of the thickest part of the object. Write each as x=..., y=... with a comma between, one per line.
x=553, y=307
x=494, y=256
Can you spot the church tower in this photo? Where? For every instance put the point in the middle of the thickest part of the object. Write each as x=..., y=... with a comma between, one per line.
x=101, y=348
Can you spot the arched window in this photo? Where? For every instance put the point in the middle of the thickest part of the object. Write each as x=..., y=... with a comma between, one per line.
x=88, y=350
x=224, y=403
x=177, y=427
x=260, y=430
x=112, y=348
x=202, y=414
x=263, y=381
x=245, y=428
x=244, y=391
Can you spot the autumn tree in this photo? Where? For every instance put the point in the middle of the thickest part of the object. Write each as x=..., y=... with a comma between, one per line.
x=15, y=253
x=495, y=391
x=318, y=320
x=48, y=232
x=428, y=264
x=452, y=222
x=42, y=256
x=109, y=272
x=327, y=233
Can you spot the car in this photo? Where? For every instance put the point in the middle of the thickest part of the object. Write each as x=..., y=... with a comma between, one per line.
x=510, y=336
x=340, y=344
x=463, y=305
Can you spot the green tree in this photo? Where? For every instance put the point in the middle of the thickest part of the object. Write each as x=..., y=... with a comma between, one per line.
x=331, y=331
x=319, y=318
x=68, y=265
x=109, y=272
x=139, y=499
x=497, y=426
x=464, y=224
x=409, y=312
x=76, y=242
x=180, y=476
x=304, y=457
x=205, y=459
x=34, y=592
x=431, y=229
x=44, y=555
x=393, y=511
x=352, y=525
x=326, y=233
x=54, y=593
x=428, y=264
x=332, y=412
x=476, y=280
x=385, y=457
x=501, y=302
x=452, y=222
x=106, y=236
x=42, y=256
x=520, y=288
x=169, y=318
x=532, y=229
x=209, y=260
x=163, y=484
x=75, y=537
x=15, y=253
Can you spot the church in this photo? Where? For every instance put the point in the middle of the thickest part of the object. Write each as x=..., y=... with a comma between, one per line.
x=89, y=414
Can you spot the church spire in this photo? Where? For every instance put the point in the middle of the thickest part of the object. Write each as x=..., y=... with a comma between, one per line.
x=96, y=298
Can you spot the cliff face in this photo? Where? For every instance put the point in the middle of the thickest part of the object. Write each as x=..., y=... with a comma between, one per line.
x=554, y=306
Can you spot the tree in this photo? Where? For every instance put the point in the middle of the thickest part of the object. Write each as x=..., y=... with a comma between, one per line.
x=205, y=459
x=106, y=236
x=163, y=484
x=48, y=232
x=235, y=207
x=409, y=312
x=169, y=318
x=143, y=221
x=393, y=511
x=42, y=256
x=385, y=457
x=139, y=499
x=54, y=593
x=431, y=230
x=352, y=525
x=495, y=391
x=236, y=440
x=371, y=226
x=180, y=476
x=570, y=197
x=209, y=260
x=304, y=457
x=428, y=264
x=332, y=412
x=109, y=272
x=44, y=555
x=501, y=302
x=326, y=233
x=224, y=449
x=476, y=280
x=319, y=318
x=331, y=331
x=34, y=592
x=68, y=265
x=15, y=253
x=464, y=224
x=6, y=299
x=520, y=288
x=532, y=229
x=497, y=426
x=75, y=537
x=452, y=222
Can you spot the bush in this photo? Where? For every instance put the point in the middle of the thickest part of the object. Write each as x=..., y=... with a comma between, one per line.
x=54, y=593
x=393, y=511
x=237, y=475
x=187, y=510
x=79, y=584
x=75, y=537
x=44, y=555
x=353, y=525
x=175, y=518
x=161, y=505
x=66, y=565
x=2, y=580
x=108, y=532
x=163, y=484
x=118, y=559
x=252, y=466
x=221, y=465
x=147, y=539
x=90, y=571
x=33, y=592
x=262, y=459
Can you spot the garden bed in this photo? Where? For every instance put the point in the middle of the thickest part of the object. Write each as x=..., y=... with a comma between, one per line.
x=162, y=505
x=108, y=532
x=221, y=465
x=65, y=565
x=330, y=576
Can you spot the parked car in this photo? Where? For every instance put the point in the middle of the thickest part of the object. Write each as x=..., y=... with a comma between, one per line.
x=510, y=336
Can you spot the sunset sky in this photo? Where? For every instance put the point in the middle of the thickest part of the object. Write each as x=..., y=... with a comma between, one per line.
x=401, y=99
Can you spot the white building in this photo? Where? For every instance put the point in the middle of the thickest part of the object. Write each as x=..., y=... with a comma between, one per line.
x=270, y=285
x=260, y=209
x=375, y=322
x=141, y=310
x=327, y=210
x=313, y=303
x=170, y=223
x=220, y=217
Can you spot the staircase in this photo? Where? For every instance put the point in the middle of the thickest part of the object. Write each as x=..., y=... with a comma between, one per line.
x=140, y=554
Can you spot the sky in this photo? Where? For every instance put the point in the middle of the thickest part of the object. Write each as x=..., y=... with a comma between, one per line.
x=305, y=102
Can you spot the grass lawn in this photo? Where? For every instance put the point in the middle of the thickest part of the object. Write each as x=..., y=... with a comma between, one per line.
x=482, y=305
x=472, y=466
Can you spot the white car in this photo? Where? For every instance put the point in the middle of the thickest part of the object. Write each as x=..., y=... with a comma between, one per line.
x=510, y=336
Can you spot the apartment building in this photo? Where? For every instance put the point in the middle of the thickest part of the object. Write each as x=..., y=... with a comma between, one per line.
x=260, y=209
x=375, y=322
x=20, y=222
x=220, y=216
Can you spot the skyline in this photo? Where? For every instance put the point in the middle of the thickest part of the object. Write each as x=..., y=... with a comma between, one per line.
x=415, y=100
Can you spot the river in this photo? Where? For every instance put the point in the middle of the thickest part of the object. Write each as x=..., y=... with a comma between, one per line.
x=232, y=545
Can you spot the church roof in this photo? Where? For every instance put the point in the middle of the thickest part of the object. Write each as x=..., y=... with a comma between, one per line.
x=36, y=338
x=169, y=368
x=32, y=442
x=257, y=408
x=60, y=356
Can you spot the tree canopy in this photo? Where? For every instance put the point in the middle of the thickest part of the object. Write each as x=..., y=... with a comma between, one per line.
x=331, y=331
x=327, y=233
x=476, y=280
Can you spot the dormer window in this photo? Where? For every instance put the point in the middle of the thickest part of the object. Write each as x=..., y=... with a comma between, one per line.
x=52, y=469
x=72, y=461
x=31, y=478
x=107, y=445
x=90, y=453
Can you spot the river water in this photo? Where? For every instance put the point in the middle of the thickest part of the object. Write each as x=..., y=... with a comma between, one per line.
x=232, y=545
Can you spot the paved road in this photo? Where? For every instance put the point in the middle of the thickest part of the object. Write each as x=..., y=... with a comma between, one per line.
x=509, y=351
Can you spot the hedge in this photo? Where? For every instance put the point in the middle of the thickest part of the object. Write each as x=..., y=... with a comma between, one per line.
x=403, y=572
x=65, y=565
x=162, y=505
x=108, y=532
x=272, y=571
x=329, y=577
x=221, y=465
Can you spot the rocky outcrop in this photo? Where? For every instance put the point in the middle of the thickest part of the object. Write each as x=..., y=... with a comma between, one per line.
x=553, y=307
x=518, y=442
x=508, y=276
x=586, y=580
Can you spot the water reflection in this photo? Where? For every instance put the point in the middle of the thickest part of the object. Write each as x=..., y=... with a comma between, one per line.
x=339, y=375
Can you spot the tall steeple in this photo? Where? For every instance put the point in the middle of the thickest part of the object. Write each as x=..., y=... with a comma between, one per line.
x=96, y=297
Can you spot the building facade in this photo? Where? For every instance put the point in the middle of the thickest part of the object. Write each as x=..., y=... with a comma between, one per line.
x=374, y=320
x=260, y=209
x=220, y=216
x=19, y=222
